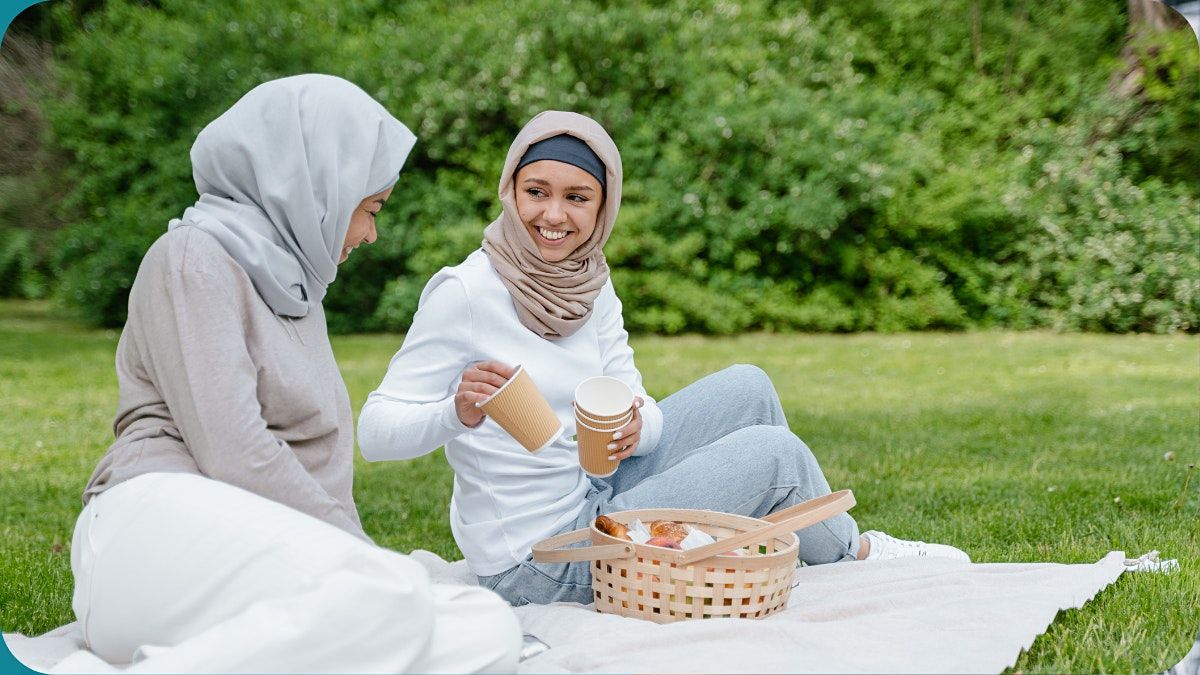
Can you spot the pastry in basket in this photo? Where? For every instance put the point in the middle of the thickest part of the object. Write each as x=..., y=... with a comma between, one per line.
x=611, y=527
x=664, y=542
x=668, y=529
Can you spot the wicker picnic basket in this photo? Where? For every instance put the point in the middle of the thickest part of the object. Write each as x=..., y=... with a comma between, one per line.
x=665, y=585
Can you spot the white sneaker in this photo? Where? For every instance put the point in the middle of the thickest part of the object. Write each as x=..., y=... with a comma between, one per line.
x=886, y=547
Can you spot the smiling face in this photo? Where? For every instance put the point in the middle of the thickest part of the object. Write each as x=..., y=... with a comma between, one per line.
x=558, y=204
x=362, y=223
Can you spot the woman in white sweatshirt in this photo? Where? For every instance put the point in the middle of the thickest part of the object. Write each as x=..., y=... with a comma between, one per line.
x=538, y=294
x=219, y=532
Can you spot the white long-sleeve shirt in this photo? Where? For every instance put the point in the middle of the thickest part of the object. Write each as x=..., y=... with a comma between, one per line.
x=505, y=498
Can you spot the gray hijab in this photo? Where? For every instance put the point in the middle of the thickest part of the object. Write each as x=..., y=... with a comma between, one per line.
x=279, y=175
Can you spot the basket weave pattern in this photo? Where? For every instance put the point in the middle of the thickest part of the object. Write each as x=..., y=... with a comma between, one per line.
x=665, y=585
x=650, y=586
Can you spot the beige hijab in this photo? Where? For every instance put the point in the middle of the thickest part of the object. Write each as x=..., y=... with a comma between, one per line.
x=553, y=299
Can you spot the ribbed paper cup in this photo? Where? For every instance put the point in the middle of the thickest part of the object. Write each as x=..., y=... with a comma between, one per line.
x=521, y=410
x=603, y=398
x=593, y=445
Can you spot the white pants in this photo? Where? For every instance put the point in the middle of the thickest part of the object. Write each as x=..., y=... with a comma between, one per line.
x=179, y=573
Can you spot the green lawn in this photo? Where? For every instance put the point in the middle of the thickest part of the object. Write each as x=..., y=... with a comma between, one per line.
x=1015, y=446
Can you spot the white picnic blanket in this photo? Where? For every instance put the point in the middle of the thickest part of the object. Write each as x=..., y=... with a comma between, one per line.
x=899, y=616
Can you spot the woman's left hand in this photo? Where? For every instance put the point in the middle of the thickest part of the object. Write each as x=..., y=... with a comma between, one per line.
x=626, y=440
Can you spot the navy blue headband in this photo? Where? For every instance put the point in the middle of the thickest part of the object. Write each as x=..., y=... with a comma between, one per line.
x=565, y=148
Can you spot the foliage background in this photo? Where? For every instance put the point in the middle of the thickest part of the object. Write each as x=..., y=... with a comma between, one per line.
x=817, y=166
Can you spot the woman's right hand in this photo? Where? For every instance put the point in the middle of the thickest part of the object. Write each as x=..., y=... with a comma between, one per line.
x=479, y=381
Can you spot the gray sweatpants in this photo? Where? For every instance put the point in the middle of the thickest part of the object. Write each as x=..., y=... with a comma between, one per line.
x=725, y=446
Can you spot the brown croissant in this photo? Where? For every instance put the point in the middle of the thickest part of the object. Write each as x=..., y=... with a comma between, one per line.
x=611, y=527
x=668, y=529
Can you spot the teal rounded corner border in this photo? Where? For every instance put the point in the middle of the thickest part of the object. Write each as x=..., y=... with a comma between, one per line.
x=9, y=9
x=10, y=664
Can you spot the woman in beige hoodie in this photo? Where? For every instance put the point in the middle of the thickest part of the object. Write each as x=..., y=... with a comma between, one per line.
x=219, y=532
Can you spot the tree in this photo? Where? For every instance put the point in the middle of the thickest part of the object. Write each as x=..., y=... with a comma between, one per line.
x=1147, y=18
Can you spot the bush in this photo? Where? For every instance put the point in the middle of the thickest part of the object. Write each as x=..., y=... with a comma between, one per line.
x=1102, y=253
x=29, y=189
x=141, y=82
x=789, y=166
x=22, y=274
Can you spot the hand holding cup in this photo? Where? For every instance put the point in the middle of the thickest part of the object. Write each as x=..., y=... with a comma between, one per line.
x=516, y=405
x=480, y=380
x=608, y=423
x=626, y=440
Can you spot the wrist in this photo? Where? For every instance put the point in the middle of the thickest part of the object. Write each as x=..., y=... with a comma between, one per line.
x=451, y=419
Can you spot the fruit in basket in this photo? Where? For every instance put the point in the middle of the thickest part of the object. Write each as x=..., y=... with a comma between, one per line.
x=664, y=542
x=611, y=527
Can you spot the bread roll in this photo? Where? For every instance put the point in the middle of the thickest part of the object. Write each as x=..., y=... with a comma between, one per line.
x=611, y=527
x=668, y=529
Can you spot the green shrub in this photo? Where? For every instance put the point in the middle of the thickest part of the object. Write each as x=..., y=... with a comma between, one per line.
x=22, y=270
x=1102, y=253
x=788, y=166
x=436, y=247
x=1160, y=136
x=30, y=190
x=140, y=82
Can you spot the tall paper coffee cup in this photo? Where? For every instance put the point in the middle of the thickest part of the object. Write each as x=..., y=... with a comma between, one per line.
x=602, y=406
x=521, y=410
x=593, y=439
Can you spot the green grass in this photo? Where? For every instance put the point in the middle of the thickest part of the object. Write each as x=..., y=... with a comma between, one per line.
x=1016, y=446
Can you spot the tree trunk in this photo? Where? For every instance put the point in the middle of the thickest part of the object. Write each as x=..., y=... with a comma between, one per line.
x=1146, y=18
x=1150, y=17
x=977, y=35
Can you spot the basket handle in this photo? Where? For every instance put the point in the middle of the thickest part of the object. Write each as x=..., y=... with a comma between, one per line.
x=548, y=551
x=790, y=519
x=803, y=507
